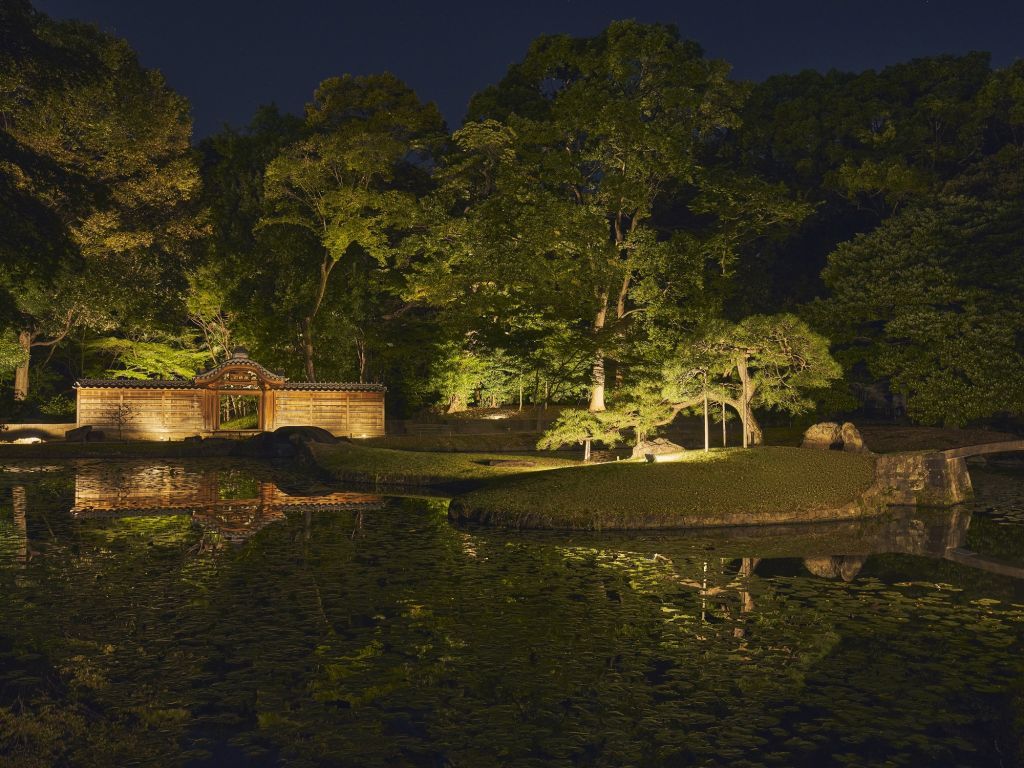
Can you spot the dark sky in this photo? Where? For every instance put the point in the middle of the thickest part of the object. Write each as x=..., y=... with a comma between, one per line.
x=229, y=56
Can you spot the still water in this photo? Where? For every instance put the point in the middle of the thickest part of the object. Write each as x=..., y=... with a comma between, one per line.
x=173, y=613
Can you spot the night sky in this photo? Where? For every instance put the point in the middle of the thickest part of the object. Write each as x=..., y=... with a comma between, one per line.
x=229, y=56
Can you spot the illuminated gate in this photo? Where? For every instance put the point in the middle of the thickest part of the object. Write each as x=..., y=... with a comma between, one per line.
x=151, y=409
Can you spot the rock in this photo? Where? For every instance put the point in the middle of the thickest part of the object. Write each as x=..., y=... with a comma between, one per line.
x=96, y=436
x=924, y=479
x=284, y=442
x=845, y=567
x=193, y=439
x=852, y=441
x=823, y=437
x=658, y=449
x=27, y=440
x=306, y=434
x=78, y=434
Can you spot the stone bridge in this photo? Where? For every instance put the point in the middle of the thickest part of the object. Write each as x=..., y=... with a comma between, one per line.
x=929, y=478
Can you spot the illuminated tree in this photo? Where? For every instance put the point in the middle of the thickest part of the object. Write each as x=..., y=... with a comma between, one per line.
x=350, y=184
x=97, y=161
x=587, y=191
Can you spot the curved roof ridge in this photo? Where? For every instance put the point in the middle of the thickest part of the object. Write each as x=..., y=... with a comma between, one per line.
x=239, y=357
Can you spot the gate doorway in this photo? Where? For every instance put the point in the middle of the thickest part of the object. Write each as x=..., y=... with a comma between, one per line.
x=239, y=412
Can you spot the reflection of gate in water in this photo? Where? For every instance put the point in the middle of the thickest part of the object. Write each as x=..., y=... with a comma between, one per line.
x=232, y=502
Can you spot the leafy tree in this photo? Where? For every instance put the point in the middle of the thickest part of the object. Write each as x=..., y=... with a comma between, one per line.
x=578, y=427
x=930, y=301
x=350, y=184
x=585, y=194
x=96, y=149
x=772, y=362
x=143, y=359
x=232, y=286
x=456, y=375
x=859, y=146
x=779, y=360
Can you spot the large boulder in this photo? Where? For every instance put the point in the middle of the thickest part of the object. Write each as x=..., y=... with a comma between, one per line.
x=283, y=442
x=852, y=440
x=823, y=437
x=304, y=434
x=658, y=449
x=78, y=434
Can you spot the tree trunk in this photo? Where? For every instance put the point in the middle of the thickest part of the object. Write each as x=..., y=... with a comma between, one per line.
x=586, y=450
x=21, y=372
x=707, y=434
x=752, y=434
x=361, y=357
x=307, y=348
x=724, y=438
x=597, y=373
x=455, y=405
x=597, y=384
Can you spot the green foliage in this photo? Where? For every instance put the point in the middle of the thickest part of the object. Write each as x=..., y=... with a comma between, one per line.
x=11, y=354
x=577, y=427
x=95, y=162
x=133, y=359
x=930, y=300
x=349, y=186
x=552, y=212
x=455, y=376
x=58, y=406
x=787, y=359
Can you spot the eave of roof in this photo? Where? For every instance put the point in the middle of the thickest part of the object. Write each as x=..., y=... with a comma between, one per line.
x=240, y=362
x=136, y=384
x=331, y=386
x=293, y=386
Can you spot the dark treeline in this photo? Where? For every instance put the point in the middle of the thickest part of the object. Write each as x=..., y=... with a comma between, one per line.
x=617, y=224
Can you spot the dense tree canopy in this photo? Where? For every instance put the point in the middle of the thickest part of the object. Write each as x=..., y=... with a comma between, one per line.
x=618, y=225
x=97, y=164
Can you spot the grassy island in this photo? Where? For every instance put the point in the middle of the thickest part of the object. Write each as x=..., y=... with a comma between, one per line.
x=725, y=487
x=385, y=466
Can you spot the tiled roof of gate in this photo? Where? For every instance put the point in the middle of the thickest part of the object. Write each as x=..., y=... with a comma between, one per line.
x=332, y=386
x=137, y=383
x=240, y=357
x=293, y=386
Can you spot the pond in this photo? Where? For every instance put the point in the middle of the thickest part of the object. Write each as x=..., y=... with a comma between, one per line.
x=219, y=614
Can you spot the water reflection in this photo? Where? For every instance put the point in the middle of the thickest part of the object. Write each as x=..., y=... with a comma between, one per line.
x=391, y=638
x=229, y=500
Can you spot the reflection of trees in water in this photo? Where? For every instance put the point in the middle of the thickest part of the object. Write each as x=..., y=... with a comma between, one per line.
x=396, y=639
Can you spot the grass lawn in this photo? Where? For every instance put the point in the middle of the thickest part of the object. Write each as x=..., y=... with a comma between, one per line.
x=725, y=487
x=510, y=442
x=390, y=467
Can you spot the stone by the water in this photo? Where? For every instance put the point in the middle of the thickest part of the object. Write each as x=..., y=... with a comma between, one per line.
x=852, y=440
x=78, y=434
x=658, y=449
x=823, y=437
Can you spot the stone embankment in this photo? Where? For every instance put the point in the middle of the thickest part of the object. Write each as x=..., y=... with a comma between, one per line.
x=921, y=478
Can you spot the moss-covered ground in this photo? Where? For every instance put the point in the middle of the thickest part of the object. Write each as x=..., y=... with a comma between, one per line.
x=724, y=487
